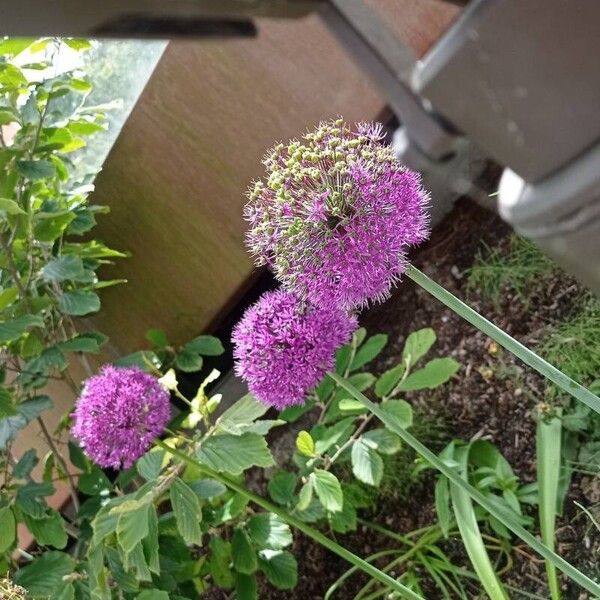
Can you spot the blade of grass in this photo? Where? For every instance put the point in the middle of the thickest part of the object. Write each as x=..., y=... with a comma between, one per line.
x=519, y=350
x=464, y=514
x=392, y=423
x=316, y=535
x=548, y=442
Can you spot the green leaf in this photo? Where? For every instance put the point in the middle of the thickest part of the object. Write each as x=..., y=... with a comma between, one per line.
x=367, y=465
x=48, y=530
x=245, y=587
x=10, y=207
x=79, y=303
x=30, y=498
x=25, y=465
x=328, y=489
x=7, y=409
x=417, y=345
x=14, y=46
x=77, y=457
x=207, y=345
x=382, y=440
x=95, y=482
x=345, y=520
x=11, y=76
x=50, y=226
x=305, y=444
x=44, y=575
x=243, y=554
x=150, y=465
x=280, y=568
x=188, y=512
x=349, y=405
x=234, y=454
x=362, y=381
x=188, y=362
x=153, y=595
x=8, y=296
x=77, y=43
x=207, y=488
x=36, y=169
x=157, y=337
x=305, y=495
x=433, y=374
x=132, y=523
x=63, y=268
x=548, y=460
x=369, y=350
x=8, y=528
x=15, y=328
x=236, y=418
x=219, y=562
x=281, y=487
x=388, y=380
x=335, y=435
x=400, y=409
x=442, y=504
x=143, y=359
x=268, y=530
x=85, y=342
x=27, y=411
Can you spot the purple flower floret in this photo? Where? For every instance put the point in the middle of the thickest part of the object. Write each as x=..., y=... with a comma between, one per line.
x=119, y=413
x=336, y=215
x=284, y=346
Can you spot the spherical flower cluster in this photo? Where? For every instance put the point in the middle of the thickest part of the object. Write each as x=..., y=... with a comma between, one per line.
x=10, y=591
x=119, y=413
x=284, y=346
x=336, y=215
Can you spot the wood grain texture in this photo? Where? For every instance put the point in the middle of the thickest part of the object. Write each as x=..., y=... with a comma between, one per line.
x=176, y=177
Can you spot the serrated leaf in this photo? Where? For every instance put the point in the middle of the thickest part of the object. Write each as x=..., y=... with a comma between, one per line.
x=335, y=435
x=30, y=498
x=79, y=303
x=7, y=409
x=281, y=487
x=435, y=373
x=188, y=511
x=234, y=454
x=207, y=488
x=44, y=575
x=150, y=465
x=48, y=530
x=388, y=380
x=305, y=444
x=219, y=562
x=95, y=482
x=328, y=489
x=132, y=524
x=153, y=595
x=7, y=527
x=66, y=267
x=243, y=554
x=369, y=350
x=8, y=296
x=367, y=465
x=267, y=530
x=400, y=409
x=345, y=520
x=417, y=345
x=25, y=465
x=237, y=418
x=382, y=440
x=305, y=496
x=207, y=345
x=280, y=568
x=83, y=343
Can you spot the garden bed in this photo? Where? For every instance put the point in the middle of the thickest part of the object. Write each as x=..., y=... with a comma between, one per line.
x=491, y=397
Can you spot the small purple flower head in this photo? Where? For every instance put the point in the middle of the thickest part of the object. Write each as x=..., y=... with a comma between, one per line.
x=284, y=346
x=336, y=215
x=119, y=413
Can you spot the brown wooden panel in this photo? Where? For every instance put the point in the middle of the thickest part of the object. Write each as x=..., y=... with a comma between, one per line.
x=175, y=179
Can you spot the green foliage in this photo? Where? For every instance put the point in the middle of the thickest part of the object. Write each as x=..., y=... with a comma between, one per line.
x=519, y=268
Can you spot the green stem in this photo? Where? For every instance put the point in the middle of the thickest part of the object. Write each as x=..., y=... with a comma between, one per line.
x=519, y=350
x=316, y=535
x=505, y=517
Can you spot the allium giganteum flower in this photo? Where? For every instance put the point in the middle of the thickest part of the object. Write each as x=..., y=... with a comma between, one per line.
x=119, y=413
x=284, y=346
x=336, y=215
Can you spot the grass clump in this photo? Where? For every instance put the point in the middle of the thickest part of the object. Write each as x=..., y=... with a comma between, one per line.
x=518, y=267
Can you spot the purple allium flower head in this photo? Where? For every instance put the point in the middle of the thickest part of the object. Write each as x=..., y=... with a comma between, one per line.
x=284, y=346
x=336, y=215
x=119, y=413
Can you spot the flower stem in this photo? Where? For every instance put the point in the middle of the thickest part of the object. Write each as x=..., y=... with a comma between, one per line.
x=316, y=535
x=519, y=350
